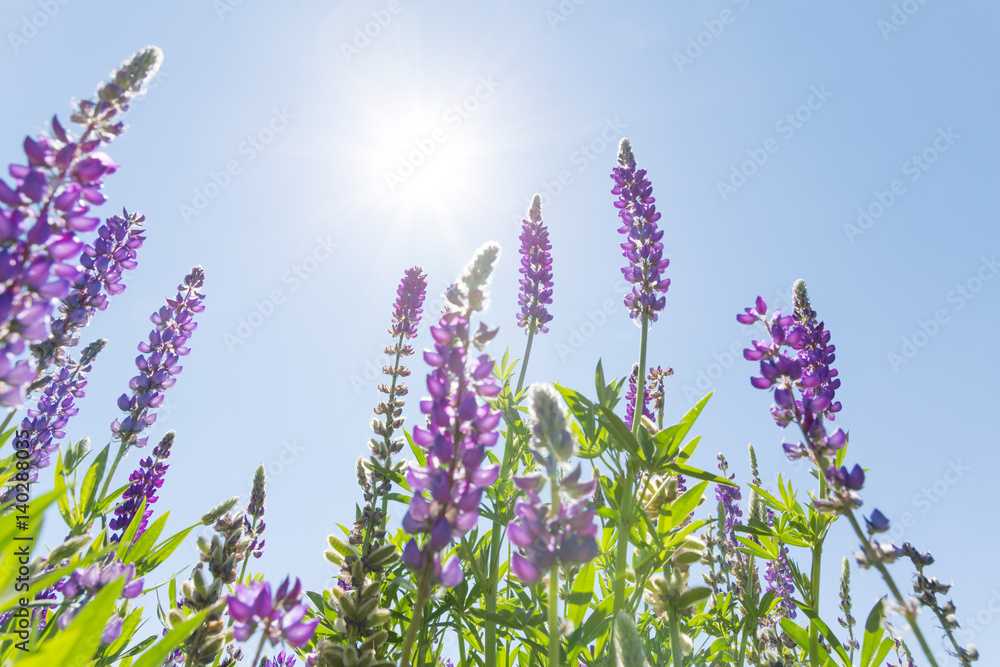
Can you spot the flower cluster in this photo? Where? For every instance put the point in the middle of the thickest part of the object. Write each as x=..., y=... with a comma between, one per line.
x=729, y=504
x=461, y=425
x=630, y=398
x=536, y=272
x=83, y=583
x=158, y=369
x=562, y=531
x=643, y=249
x=145, y=481
x=112, y=252
x=42, y=213
x=280, y=617
x=795, y=363
x=46, y=423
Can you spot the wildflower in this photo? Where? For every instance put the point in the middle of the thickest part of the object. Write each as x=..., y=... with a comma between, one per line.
x=280, y=617
x=144, y=483
x=536, y=271
x=643, y=248
x=630, y=398
x=460, y=426
x=158, y=369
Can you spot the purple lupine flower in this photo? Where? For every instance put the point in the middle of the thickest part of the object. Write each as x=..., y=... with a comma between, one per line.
x=630, y=398
x=104, y=261
x=545, y=537
x=46, y=423
x=536, y=271
x=729, y=498
x=643, y=249
x=795, y=363
x=255, y=510
x=80, y=587
x=562, y=531
x=158, y=369
x=281, y=617
x=779, y=579
x=145, y=481
x=283, y=659
x=409, y=301
x=42, y=213
x=460, y=426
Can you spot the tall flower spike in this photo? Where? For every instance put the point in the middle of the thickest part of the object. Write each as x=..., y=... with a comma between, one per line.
x=104, y=261
x=461, y=425
x=46, y=423
x=642, y=247
x=158, y=365
x=41, y=215
x=145, y=481
x=536, y=271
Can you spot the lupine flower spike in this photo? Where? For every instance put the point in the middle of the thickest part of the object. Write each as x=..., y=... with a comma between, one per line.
x=536, y=272
x=146, y=480
x=643, y=248
x=41, y=215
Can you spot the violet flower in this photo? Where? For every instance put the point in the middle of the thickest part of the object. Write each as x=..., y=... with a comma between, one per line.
x=536, y=271
x=795, y=363
x=409, y=301
x=46, y=423
x=562, y=531
x=157, y=365
x=104, y=261
x=280, y=617
x=729, y=498
x=643, y=248
x=630, y=398
x=145, y=481
x=80, y=587
x=283, y=659
x=460, y=426
x=42, y=213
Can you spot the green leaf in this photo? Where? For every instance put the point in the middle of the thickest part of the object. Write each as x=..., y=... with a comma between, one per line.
x=133, y=528
x=688, y=471
x=582, y=594
x=77, y=644
x=796, y=632
x=618, y=430
x=147, y=540
x=693, y=596
x=668, y=441
x=683, y=506
x=873, y=633
x=751, y=547
x=628, y=647
x=883, y=650
x=91, y=482
x=161, y=553
x=157, y=653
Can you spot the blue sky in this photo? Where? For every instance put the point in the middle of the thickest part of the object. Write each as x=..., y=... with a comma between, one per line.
x=850, y=144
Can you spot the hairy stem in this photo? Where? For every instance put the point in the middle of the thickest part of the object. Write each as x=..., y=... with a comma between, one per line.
x=423, y=589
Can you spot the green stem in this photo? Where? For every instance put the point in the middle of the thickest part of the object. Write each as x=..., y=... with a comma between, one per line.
x=675, y=636
x=621, y=554
x=423, y=589
x=114, y=466
x=817, y=557
x=555, y=636
x=524, y=364
x=640, y=380
x=880, y=566
x=497, y=529
x=260, y=649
